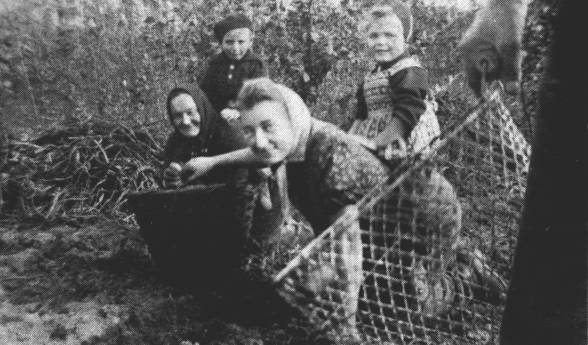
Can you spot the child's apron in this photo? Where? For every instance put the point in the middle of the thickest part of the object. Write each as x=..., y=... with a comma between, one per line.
x=380, y=109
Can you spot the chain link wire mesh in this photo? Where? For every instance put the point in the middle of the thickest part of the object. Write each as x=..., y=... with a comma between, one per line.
x=430, y=261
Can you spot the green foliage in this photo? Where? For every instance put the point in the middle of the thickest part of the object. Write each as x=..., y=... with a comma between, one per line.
x=436, y=34
x=79, y=171
x=119, y=65
x=536, y=40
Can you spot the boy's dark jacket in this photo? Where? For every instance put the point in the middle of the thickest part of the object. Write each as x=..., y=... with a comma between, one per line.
x=221, y=83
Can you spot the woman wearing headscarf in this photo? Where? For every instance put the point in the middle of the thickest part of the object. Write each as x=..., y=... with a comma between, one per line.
x=198, y=131
x=201, y=132
x=322, y=172
x=325, y=172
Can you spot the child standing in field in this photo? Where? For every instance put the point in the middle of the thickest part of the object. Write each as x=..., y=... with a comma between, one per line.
x=228, y=70
x=236, y=63
x=396, y=117
x=393, y=112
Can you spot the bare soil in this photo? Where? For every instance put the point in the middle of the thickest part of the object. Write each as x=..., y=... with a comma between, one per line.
x=96, y=284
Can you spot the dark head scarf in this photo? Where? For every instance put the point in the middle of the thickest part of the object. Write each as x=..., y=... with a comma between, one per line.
x=209, y=120
x=232, y=22
x=208, y=116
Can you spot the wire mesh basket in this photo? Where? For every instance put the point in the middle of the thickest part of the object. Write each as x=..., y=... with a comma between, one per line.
x=437, y=243
x=429, y=263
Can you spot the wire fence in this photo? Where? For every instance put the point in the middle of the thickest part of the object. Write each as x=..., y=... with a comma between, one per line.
x=430, y=262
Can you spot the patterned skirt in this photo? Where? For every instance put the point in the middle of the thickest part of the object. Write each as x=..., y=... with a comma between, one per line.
x=424, y=132
x=373, y=125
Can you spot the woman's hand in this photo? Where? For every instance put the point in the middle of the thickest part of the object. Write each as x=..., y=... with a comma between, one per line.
x=198, y=167
x=171, y=175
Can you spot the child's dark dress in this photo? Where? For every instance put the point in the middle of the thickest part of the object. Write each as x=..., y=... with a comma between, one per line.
x=397, y=89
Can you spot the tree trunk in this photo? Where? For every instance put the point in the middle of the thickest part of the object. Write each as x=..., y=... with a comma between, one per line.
x=547, y=298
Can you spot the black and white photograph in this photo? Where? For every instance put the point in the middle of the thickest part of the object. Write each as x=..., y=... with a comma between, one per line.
x=293, y=172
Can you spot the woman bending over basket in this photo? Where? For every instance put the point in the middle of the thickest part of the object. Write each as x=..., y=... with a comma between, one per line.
x=326, y=173
x=199, y=131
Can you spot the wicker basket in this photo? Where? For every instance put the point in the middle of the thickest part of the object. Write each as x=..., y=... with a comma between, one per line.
x=187, y=232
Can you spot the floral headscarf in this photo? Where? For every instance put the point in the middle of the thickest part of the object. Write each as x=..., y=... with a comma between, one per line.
x=257, y=90
x=300, y=119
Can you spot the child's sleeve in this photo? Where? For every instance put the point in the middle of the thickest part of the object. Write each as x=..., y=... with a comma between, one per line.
x=409, y=90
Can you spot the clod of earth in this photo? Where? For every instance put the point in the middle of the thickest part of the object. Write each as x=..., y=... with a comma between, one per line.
x=81, y=323
x=21, y=261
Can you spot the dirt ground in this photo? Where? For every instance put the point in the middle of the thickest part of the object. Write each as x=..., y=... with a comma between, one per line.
x=95, y=284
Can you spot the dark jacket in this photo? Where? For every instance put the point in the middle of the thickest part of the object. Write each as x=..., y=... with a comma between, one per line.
x=224, y=77
x=337, y=171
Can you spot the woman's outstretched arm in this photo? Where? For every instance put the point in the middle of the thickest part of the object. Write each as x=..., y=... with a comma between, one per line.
x=200, y=166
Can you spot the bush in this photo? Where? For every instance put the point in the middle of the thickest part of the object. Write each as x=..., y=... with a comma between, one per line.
x=79, y=171
x=118, y=65
x=115, y=66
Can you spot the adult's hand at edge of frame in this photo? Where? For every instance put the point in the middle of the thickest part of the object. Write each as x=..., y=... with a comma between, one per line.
x=491, y=47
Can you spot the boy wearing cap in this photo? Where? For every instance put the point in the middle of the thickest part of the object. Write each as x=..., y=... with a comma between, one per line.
x=236, y=63
x=228, y=70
